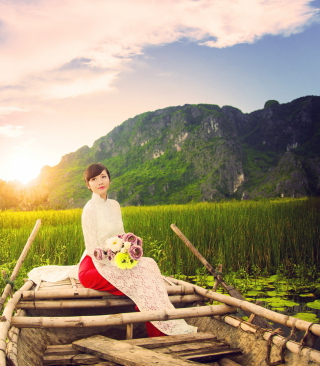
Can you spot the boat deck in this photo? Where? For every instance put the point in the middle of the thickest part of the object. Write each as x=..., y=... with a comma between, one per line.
x=90, y=317
x=169, y=350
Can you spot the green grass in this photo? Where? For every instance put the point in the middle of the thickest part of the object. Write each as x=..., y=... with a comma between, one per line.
x=256, y=237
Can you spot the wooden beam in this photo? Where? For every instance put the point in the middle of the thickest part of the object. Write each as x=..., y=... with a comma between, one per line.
x=83, y=292
x=129, y=331
x=123, y=318
x=102, y=302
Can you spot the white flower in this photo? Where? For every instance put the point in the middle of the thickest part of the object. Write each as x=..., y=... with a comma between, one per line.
x=127, y=244
x=114, y=243
x=123, y=250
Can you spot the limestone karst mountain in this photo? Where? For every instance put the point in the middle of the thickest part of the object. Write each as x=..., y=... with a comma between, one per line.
x=198, y=153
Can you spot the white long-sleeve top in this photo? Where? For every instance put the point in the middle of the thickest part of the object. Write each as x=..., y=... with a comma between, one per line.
x=101, y=219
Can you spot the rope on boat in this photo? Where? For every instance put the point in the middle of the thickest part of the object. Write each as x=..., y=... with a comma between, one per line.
x=277, y=331
x=8, y=282
x=307, y=338
x=283, y=348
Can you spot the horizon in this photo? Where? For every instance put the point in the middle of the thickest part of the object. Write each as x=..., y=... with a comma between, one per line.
x=74, y=70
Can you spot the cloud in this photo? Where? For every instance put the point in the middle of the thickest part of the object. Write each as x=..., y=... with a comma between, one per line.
x=65, y=48
x=80, y=84
x=10, y=109
x=10, y=130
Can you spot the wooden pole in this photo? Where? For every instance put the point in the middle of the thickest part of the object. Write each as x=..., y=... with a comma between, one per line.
x=230, y=289
x=19, y=263
x=5, y=320
x=97, y=303
x=122, y=318
x=12, y=346
x=89, y=293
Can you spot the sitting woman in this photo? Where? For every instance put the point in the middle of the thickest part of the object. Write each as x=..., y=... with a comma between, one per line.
x=101, y=220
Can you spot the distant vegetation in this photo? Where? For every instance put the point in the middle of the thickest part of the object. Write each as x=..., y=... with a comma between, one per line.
x=190, y=153
x=255, y=237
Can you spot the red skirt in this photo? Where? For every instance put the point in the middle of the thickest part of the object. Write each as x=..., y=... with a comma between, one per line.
x=91, y=278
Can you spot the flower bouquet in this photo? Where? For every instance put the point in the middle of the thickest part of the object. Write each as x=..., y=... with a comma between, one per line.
x=124, y=251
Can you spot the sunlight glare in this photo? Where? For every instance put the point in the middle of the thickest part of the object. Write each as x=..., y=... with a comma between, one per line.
x=22, y=166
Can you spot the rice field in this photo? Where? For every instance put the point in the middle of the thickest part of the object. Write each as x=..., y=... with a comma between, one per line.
x=243, y=236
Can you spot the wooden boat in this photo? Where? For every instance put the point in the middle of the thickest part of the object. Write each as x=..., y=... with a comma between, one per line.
x=63, y=323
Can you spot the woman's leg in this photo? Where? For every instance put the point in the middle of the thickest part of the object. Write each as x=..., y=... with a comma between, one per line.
x=91, y=278
x=151, y=329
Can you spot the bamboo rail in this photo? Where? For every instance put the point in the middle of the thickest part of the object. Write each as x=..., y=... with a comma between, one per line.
x=123, y=318
x=288, y=321
x=6, y=320
x=12, y=346
x=88, y=293
x=293, y=347
x=69, y=304
x=19, y=263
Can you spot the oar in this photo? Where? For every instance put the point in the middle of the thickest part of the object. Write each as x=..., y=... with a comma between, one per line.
x=19, y=263
x=257, y=320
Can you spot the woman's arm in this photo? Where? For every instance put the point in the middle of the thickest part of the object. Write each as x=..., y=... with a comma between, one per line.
x=89, y=228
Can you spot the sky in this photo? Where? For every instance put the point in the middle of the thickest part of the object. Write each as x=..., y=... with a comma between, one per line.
x=72, y=70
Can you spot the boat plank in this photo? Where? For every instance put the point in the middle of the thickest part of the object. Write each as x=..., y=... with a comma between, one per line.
x=156, y=342
x=213, y=355
x=126, y=354
x=60, y=349
x=194, y=348
x=191, y=348
x=75, y=359
x=227, y=362
x=65, y=354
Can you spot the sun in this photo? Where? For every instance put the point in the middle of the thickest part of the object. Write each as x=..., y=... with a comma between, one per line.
x=22, y=166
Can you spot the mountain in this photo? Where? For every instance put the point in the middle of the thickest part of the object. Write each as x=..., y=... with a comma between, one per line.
x=197, y=153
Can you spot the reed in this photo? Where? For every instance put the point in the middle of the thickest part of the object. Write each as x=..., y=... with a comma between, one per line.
x=240, y=234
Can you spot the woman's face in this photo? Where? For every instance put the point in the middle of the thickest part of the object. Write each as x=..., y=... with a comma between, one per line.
x=100, y=184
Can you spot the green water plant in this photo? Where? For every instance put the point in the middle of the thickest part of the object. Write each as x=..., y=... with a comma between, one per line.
x=309, y=317
x=314, y=304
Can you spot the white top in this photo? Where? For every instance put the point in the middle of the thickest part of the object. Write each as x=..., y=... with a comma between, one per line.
x=101, y=219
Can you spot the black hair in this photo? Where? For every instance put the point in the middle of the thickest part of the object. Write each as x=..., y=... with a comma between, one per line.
x=93, y=170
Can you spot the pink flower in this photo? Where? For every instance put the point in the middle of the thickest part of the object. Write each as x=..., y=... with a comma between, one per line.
x=135, y=252
x=99, y=254
x=139, y=241
x=130, y=237
x=110, y=254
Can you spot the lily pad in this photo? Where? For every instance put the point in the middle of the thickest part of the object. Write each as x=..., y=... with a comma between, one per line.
x=271, y=279
x=252, y=293
x=276, y=293
x=314, y=304
x=307, y=295
x=309, y=317
x=278, y=309
x=251, y=299
x=277, y=302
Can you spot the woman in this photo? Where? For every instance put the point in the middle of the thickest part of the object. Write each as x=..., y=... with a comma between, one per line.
x=101, y=219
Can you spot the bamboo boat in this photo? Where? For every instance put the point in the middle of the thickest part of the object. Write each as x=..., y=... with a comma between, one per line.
x=63, y=323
